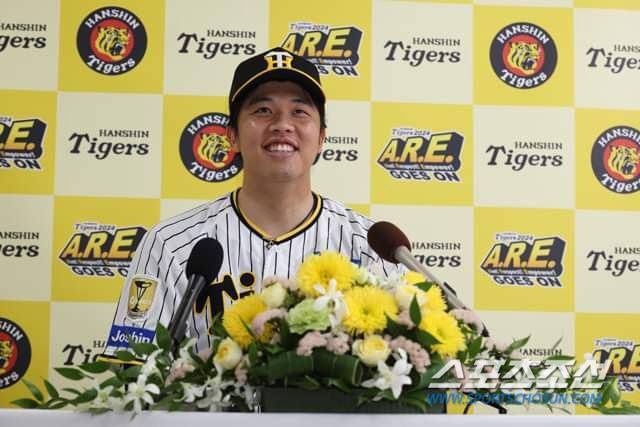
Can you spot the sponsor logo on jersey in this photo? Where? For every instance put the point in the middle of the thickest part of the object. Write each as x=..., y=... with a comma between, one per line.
x=120, y=336
x=523, y=55
x=21, y=143
x=333, y=50
x=142, y=290
x=15, y=353
x=205, y=149
x=101, y=249
x=422, y=155
x=111, y=40
x=615, y=159
x=525, y=260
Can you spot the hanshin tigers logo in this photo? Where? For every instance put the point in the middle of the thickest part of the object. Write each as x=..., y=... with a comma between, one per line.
x=615, y=159
x=205, y=149
x=15, y=353
x=111, y=40
x=523, y=55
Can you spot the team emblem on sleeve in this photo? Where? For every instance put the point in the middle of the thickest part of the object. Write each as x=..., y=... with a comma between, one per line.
x=142, y=291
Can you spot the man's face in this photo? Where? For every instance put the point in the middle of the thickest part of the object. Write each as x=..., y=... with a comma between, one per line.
x=278, y=132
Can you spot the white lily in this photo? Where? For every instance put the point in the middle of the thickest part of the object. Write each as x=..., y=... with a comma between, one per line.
x=393, y=378
x=333, y=299
x=150, y=366
x=191, y=392
x=139, y=392
x=215, y=399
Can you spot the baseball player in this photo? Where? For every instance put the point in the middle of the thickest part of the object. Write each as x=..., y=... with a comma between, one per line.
x=267, y=227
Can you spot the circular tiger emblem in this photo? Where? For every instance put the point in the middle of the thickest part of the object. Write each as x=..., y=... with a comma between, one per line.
x=615, y=159
x=205, y=149
x=523, y=55
x=111, y=40
x=15, y=353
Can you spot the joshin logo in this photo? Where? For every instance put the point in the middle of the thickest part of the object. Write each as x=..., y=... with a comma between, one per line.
x=523, y=55
x=332, y=49
x=517, y=259
x=111, y=40
x=615, y=159
x=205, y=149
x=416, y=154
x=99, y=249
x=15, y=353
x=21, y=143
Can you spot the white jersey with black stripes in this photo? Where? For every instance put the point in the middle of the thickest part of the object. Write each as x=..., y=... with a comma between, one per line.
x=156, y=280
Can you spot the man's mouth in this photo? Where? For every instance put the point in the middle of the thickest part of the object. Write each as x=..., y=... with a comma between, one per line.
x=277, y=147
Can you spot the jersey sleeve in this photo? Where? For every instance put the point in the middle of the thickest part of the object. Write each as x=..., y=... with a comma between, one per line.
x=147, y=297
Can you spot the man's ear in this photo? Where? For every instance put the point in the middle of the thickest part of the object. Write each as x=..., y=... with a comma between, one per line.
x=322, y=135
x=232, y=135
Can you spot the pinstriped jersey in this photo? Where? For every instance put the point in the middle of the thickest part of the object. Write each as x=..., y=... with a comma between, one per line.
x=157, y=278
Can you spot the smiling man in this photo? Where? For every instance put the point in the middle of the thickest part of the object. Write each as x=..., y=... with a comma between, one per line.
x=267, y=227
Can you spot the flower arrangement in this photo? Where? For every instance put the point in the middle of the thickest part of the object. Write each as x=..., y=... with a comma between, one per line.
x=334, y=326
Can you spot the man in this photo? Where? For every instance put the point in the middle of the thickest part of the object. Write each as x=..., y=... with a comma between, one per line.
x=267, y=227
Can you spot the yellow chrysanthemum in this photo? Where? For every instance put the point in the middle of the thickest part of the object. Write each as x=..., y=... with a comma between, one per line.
x=435, y=300
x=367, y=306
x=241, y=313
x=413, y=277
x=443, y=327
x=320, y=269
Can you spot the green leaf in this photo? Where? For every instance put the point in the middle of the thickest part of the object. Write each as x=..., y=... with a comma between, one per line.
x=35, y=391
x=289, y=364
x=58, y=405
x=414, y=311
x=98, y=411
x=113, y=381
x=307, y=383
x=95, y=367
x=252, y=351
x=53, y=393
x=340, y=384
x=87, y=396
x=124, y=355
x=394, y=328
x=71, y=373
x=560, y=357
x=421, y=405
x=425, y=339
x=144, y=348
x=517, y=344
x=343, y=366
x=72, y=390
x=216, y=328
x=475, y=346
x=25, y=403
x=132, y=371
x=425, y=286
x=163, y=338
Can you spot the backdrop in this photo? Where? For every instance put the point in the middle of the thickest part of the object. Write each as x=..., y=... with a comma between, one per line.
x=503, y=136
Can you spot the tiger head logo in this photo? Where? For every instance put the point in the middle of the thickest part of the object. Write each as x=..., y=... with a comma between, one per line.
x=215, y=148
x=524, y=56
x=624, y=161
x=112, y=42
x=6, y=353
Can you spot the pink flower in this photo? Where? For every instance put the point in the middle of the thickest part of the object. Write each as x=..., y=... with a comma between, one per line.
x=338, y=344
x=257, y=325
x=469, y=317
x=404, y=318
x=288, y=284
x=241, y=373
x=419, y=357
x=309, y=342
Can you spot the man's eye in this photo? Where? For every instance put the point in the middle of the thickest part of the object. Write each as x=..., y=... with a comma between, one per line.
x=301, y=111
x=262, y=110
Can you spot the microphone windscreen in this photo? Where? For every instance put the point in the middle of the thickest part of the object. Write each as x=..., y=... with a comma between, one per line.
x=205, y=259
x=385, y=238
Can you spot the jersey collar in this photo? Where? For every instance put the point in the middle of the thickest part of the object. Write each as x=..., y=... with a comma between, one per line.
x=300, y=228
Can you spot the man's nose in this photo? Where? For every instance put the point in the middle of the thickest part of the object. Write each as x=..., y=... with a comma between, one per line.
x=281, y=122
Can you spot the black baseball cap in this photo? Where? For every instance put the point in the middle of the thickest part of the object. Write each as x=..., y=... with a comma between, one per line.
x=276, y=64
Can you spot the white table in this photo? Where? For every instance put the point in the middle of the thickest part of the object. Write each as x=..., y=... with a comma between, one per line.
x=42, y=418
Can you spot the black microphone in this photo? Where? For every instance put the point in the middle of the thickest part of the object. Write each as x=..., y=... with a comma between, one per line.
x=203, y=266
x=393, y=245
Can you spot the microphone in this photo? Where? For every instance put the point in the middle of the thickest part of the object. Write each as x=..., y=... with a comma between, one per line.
x=203, y=266
x=393, y=245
